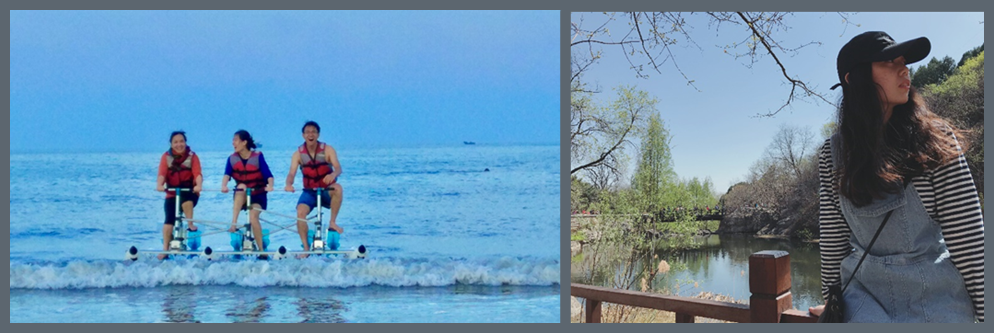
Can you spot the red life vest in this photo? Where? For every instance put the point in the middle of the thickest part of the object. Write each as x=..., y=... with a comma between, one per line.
x=314, y=168
x=249, y=172
x=180, y=170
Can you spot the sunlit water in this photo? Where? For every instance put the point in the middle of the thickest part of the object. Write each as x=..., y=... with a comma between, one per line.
x=447, y=240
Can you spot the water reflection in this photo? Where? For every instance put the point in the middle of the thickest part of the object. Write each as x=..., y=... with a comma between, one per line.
x=462, y=289
x=320, y=310
x=178, y=305
x=316, y=305
x=250, y=312
x=716, y=263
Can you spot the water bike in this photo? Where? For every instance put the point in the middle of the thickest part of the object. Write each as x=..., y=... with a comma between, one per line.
x=187, y=242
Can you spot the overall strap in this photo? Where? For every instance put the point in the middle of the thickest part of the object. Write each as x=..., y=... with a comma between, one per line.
x=874, y=240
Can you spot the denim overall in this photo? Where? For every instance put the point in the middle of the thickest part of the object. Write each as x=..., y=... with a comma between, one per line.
x=908, y=275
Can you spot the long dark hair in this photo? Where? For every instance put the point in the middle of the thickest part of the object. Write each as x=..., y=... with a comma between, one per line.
x=877, y=157
x=245, y=136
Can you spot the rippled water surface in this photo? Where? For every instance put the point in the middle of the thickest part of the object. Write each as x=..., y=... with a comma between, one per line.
x=455, y=234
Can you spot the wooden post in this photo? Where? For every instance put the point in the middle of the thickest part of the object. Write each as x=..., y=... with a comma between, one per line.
x=593, y=309
x=684, y=318
x=769, y=282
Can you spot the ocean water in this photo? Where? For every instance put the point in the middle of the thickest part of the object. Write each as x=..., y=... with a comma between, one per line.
x=447, y=241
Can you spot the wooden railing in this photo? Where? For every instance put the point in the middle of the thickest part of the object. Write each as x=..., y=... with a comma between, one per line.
x=769, y=283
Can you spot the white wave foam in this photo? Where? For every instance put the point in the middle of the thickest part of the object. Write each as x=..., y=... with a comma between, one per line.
x=312, y=272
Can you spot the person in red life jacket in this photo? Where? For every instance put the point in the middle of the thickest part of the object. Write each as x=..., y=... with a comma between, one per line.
x=250, y=171
x=319, y=164
x=179, y=167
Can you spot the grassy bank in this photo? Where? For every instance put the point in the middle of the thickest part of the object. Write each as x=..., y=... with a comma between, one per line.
x=664, y=229
x=688, y=227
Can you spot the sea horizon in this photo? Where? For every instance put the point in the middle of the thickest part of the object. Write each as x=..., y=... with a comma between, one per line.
x=265, y=147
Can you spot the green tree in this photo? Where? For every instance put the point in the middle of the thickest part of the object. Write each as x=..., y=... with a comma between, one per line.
x=966, y=78
x=960, y=99
x=970, y=54
x=933, y=72
x=583, y=196
x=654, y=174
x=699, y=193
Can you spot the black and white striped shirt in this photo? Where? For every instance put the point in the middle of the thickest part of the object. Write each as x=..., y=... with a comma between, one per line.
x=949, y=196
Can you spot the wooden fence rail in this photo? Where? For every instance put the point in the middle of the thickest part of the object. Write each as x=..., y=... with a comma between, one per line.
x=769, y=283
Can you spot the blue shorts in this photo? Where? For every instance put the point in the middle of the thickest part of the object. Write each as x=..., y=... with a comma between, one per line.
x=310, y=198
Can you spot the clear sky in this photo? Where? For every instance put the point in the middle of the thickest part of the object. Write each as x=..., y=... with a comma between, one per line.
x=715, y=132
x=122, y=81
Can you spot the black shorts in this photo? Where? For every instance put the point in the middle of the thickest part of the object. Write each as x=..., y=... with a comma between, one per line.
x=170, y=206
x=257, y=199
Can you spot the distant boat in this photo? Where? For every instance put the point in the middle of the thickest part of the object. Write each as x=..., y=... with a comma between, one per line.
x=468, y=143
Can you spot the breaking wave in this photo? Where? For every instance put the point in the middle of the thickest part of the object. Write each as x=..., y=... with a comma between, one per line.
x=311, y=272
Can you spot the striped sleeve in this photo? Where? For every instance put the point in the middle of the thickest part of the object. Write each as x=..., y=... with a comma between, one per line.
x=957, y=207
x=834, y=232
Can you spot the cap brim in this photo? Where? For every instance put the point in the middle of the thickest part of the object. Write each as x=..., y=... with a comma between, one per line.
x=913, y=51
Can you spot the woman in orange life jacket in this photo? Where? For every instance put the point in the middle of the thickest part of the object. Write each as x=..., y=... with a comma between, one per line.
x=179, y=167
x=319, y=164
x=250, y=171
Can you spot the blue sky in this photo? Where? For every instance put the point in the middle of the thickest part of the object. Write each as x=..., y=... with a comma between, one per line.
x=715, y=132
x=122, y=81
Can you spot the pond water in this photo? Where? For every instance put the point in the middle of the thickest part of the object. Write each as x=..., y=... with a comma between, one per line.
x=716, y=263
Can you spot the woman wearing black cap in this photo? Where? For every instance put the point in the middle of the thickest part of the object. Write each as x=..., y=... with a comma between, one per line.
x=896, y=168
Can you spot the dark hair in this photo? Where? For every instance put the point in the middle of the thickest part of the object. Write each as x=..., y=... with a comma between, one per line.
x=310, y=123
x=876, y=157
x=245, y=136
x=180, y=132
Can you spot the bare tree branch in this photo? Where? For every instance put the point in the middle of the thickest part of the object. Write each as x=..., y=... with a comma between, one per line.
x=620, y=141
x=795, y=83
x=647, y=45
x=604, y=43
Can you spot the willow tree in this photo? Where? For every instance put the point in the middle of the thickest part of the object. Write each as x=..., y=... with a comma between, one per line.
x=601, y=133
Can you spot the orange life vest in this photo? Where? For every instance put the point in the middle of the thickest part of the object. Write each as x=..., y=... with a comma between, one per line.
x=314, y=168
x=248, y=172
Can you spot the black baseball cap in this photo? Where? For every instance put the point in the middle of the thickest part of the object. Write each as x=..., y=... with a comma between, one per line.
x=873, y=46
